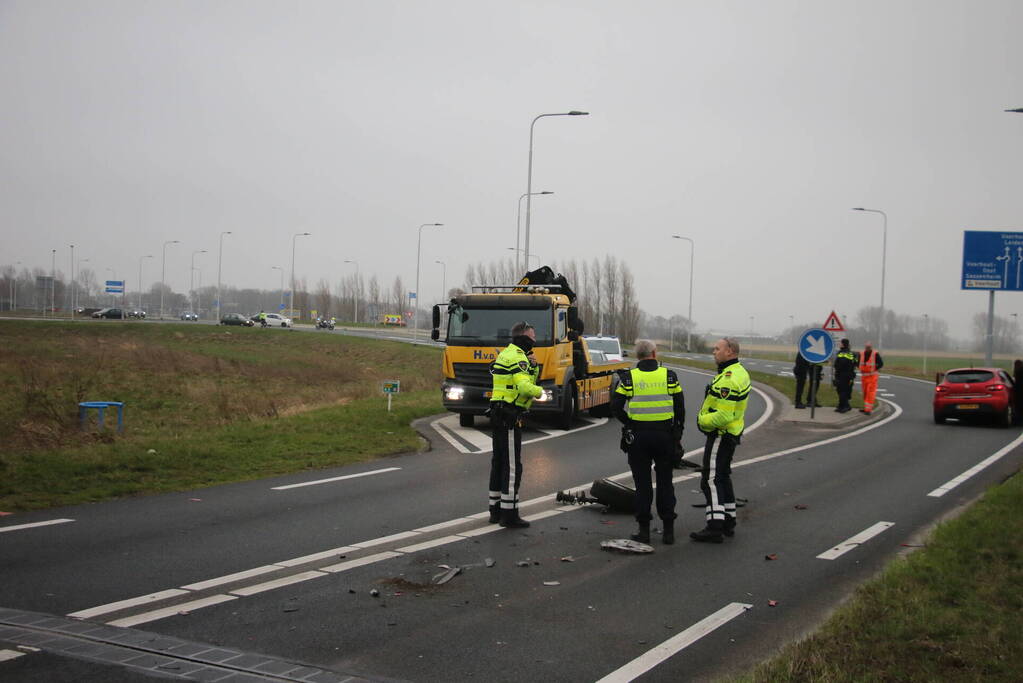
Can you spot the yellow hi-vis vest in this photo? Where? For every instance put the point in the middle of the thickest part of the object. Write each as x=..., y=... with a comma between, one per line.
x=514, y=378
x=724, y=407
x=649, y=393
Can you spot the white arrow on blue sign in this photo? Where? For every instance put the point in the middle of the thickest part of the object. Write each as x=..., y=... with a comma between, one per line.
x=816, y=346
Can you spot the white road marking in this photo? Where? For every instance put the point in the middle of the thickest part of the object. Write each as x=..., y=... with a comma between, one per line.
x=360, y=562
x=386, y=539
x=856, y=541
x=990, y=460
x=33, y=525
x=647, y=661
x=315, y=557
x=230, y=578
x=332, y=479
x=277, y=583
x=426, y=545
x=7, y=655
x=450, y=523
x=448, y=425
x=124, y=604
x=145, y=617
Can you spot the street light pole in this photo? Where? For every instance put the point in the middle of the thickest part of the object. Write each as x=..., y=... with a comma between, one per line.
x=529, y=173
x=518, y=223
x=71, y=312
x=692, y=256
x=140, y=279
x=14, y=287
x=79, y=268
x=444, y=280
x=927, y=329
x=419, y=251
x=191, y=281
x=884, y=258
x=163, y=273
x=356, y=288
x=282, y=285
x=113, y=276
x=293, y=238
x=220, y=260
x=53, y=279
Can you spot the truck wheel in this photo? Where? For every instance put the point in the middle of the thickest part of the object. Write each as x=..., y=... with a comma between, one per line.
x=466, y=420
x=567, y=417
x=614, y=495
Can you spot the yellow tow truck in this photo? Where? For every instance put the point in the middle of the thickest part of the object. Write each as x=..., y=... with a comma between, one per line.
x=479, y=326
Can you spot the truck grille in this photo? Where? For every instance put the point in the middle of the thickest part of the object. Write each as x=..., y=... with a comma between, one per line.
x=475, y=374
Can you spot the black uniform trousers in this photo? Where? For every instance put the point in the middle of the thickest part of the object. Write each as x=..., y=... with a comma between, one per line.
x=653, y=447
x=716, y=478
x=844, y=387
x=506, y=458
x=801, y=381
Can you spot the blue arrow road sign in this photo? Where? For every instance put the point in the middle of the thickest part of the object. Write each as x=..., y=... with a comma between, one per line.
x=992, y=260
x=816, y=346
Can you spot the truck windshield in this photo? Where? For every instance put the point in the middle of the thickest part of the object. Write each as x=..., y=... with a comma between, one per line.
x=492, y=327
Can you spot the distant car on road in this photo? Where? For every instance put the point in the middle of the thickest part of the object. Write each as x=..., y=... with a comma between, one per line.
x=236, y=319
x=974, y=392
x=611, y=346
x=137, y=314
x=273, y=320
x=188, y=315
x=108, y=313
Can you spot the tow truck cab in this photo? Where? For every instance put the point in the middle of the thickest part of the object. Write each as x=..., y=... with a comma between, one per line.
x=479, y=327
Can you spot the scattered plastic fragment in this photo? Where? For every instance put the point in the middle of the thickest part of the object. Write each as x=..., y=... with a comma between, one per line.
x=290, y=609
x=568, y=558
x=351, y=590
x=374, y=592
x=489, y=562
x=444, y=577
x=523, y=563
x=626, y=545
x=151, y=451
x=771, y=556
x=772, y=603
x=801, y=506
x=552, y=583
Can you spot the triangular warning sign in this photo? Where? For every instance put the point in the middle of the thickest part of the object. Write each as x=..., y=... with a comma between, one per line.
x=833, y=324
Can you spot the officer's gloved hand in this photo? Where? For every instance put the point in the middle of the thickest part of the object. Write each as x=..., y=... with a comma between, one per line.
x=628, y=436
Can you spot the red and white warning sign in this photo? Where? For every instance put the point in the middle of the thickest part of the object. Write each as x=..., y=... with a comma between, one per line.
x=833, y=324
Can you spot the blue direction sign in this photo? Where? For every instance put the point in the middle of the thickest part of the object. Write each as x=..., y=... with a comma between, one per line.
x=115, y=286
x=816, y=346
x=993, y=260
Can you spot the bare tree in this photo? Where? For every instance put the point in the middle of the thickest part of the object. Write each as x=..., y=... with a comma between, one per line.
x=397, y=301
x=323, y=298
x=628, y=328
x=611, y=284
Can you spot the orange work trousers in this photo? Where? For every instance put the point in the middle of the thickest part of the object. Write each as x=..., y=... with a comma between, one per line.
x=869, y=391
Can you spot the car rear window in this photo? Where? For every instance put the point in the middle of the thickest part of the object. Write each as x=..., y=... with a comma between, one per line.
x=969, y=376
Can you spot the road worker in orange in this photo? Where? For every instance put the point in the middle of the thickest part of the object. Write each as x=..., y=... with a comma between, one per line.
x=870, y=364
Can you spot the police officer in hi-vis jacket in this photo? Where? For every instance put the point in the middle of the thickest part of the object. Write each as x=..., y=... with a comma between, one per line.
x=515, y=374
x=721, y=419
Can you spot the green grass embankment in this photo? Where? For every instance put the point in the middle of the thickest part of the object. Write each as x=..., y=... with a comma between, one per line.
x=203, y=405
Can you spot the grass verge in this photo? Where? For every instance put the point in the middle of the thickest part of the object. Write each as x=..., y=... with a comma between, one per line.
x=203, y=405
x=950, y=612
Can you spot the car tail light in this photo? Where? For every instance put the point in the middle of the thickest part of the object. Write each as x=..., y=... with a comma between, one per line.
x=940, y=389
x=995, y=387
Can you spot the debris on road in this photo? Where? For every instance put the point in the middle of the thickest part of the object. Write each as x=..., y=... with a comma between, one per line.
x=489, y=562
x=444, y=577
x=771, y=556
x=568, y=558
x=374, y=592
x=552, y=583
x=626, y=545
x=801, y=506
x=772, y=603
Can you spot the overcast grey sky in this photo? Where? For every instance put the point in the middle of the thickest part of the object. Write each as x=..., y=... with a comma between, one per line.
x=752, y=127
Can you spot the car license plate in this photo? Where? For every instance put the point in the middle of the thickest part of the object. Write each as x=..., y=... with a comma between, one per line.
x=967, y=406
x=487, y=394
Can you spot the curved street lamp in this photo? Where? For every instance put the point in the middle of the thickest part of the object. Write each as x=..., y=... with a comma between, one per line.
x=518, y=222
x=419, y=251
x=529, y=174
x=692, y=255
x=884, y=258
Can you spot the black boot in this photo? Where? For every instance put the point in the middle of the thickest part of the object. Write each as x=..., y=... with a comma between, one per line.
x=708, y=534
x=643, y=533
x=668, y=535
x=729, y=528
x=510, y=519
x=495, y=514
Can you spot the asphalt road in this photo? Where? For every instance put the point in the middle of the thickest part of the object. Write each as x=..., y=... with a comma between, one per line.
x=287, y=573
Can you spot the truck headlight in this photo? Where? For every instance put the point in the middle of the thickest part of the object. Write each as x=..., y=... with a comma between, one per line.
x=546, y=396
x=455, y=393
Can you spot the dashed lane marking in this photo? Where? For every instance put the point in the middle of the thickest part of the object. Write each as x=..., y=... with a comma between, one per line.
x=473, y=440
x=7, y=655
x=333, y=479
x=856, y=541
x=675, y=644
x=33, y=525
x=983, y=464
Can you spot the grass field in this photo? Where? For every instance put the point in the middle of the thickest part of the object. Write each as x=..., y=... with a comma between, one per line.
x=952, y=611
x=203, y=405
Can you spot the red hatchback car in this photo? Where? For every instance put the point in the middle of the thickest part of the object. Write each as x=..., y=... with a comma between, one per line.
x=974, y=392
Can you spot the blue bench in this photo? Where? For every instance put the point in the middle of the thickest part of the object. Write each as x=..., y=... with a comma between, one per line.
x=101, y=406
